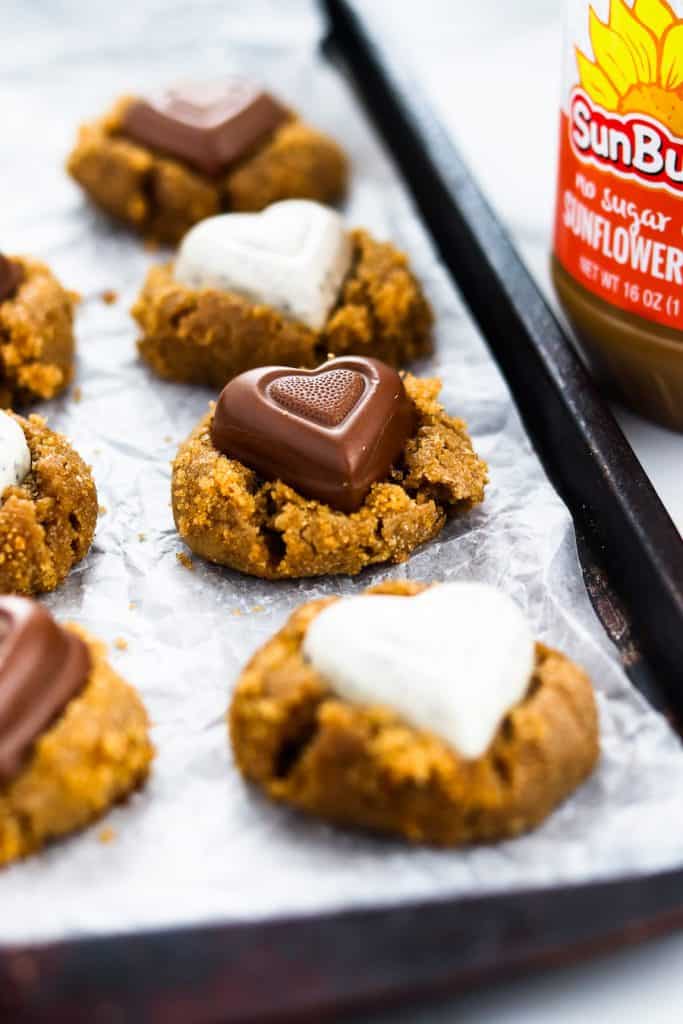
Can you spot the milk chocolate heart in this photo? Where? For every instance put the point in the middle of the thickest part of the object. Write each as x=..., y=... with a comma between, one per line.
x=329, y=433
x=452, y=660
x=11, y=276
x=293, y=256
x=207, y=124
x=42, y=666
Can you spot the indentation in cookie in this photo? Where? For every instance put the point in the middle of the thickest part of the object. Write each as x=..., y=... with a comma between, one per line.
x=326, y=399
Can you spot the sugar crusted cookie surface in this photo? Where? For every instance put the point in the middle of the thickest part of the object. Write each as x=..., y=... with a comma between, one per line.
x=47, y=522
x=227, y=514
x=95, y=754
x=365, y=767
x=36, y=337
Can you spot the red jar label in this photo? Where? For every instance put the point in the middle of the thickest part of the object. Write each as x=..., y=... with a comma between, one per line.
x=619, y=218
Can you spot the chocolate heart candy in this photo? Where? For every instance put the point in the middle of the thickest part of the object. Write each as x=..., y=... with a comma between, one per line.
x=11, y=276
x=329, y=433
x=207, y=124
x=42, y=666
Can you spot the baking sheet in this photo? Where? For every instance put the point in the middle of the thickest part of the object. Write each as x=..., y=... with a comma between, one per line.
x=197, y=845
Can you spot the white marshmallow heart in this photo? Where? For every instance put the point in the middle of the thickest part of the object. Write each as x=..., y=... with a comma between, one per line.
x=15, y=457
x=293, y=256
x=452, y=660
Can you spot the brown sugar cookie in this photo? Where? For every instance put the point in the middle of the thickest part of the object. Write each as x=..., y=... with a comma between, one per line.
x=73, y=735
x=197, y=328
x=231, y=514
x=48, y=518
x=363, y=764
x=36, y=332
x=162, y=163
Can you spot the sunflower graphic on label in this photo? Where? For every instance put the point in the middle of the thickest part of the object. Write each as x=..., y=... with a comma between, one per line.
x=619, y=220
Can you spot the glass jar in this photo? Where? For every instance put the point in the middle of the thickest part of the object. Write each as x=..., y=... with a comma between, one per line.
x=618, y=248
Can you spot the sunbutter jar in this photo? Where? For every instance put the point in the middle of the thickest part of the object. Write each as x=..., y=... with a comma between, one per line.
x=618, y=249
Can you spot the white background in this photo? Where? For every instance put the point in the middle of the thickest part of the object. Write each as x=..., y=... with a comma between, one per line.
x=493, y=69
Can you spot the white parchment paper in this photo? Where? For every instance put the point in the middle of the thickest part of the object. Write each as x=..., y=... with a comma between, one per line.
x=196, y=845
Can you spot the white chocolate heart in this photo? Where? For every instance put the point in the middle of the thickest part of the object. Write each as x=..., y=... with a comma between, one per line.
x=15, y=457
x=293, y=256
x=452, y=660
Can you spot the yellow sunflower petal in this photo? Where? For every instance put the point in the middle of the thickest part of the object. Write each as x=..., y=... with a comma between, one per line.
x=596, y=83
x=640, y=41
x=671, y=70
x=655, y=15
x=612, y=55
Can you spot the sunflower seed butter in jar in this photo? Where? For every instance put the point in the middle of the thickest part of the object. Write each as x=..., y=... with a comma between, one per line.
x=618, y=249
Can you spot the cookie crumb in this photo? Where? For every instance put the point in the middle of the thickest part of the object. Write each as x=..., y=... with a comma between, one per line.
x=102, y=510
x=258, y=608
x=120, y=644
x=236, y=611
x=185, y=560
x=76, y=394
x=109, y=296
x=106, y=835
x=132, y=606
x=168, y=439
x=142, y=536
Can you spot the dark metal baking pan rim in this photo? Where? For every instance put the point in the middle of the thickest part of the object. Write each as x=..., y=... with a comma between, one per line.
x=324, y=967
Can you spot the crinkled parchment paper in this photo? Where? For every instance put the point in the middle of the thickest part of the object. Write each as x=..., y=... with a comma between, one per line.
x=196, y=845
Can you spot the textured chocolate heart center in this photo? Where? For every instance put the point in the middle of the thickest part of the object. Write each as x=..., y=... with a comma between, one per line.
x=327, y=398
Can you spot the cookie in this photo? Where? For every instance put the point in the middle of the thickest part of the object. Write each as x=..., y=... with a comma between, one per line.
x=36, y=332
x=48, y=508
x=362, y=763
x=289, y=286
x=230, y=514
x=73, y=735
x=164, y=162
